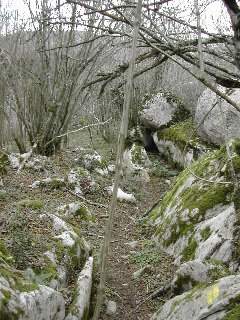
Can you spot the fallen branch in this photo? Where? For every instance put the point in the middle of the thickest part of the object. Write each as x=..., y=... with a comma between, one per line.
x=150, y=209
x=86, y=200
x=77, y=130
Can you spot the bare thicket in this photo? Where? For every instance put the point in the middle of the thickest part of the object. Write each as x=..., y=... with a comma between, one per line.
x=45, y=71
x=72, y=61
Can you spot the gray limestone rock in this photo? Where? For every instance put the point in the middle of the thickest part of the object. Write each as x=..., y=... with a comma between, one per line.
x=213, y=127
x=157, y=112
x=208, y=302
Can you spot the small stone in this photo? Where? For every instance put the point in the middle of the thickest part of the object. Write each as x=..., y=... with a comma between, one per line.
x=168, y=182
x=111, y=308
x=133, y=244
x=125, y=257
x=140, y=272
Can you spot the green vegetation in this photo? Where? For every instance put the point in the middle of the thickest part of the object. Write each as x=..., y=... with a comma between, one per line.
x=4, y=254
x=160, y=170
x=3, y=195
x=33, y=204
x=234, y=314
x=189, y=251
x=17, y=280
x=149, y=255
x=205, y=233
x=234, y=309
x=181, y=133
x=190, y=197
x=219, y=271
x=3, y=162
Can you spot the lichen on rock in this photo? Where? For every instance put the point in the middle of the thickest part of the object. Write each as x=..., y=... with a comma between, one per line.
x=196, y=218
x=219, y=301
x=179, y=143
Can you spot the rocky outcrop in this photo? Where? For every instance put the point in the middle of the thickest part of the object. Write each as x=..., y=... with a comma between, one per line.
x=196, y=218
x=136, y=163
x=161, y=110
x=28, y=160
x=20, y=299
x=179, y=143
x=212, y=129
x=157, y=112
x=121, y=195
x=81, y=181
x=74, y=209
x=181, y=83
x=219, y=301
x=90, y=160
x=196, y=272
x=79, y=309
x=34, y=294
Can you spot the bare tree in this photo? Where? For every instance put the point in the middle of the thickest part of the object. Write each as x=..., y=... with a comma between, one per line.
x=46, y=71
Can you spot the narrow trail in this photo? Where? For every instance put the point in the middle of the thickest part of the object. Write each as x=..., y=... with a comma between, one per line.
x=127, y=257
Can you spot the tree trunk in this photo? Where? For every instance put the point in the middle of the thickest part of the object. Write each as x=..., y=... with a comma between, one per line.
x=234, y=13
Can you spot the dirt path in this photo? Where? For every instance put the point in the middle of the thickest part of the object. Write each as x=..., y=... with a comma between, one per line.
x=127, y=257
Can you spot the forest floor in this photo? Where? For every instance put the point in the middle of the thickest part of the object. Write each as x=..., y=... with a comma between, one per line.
x=131, y=247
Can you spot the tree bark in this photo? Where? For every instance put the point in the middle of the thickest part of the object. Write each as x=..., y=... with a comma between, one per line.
x=234, y=13
x=121, y=143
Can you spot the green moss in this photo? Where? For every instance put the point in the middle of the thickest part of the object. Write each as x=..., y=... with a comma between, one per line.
x=219, y=271
x=168, y=199
x=17, y=281
x=236, y=146
x=189, y=251
x=4, y=254
x=3, y=195
x=84, y=213
x=205, y=233
x=3, y=162
x=33, y=204
x=5, y=314
x=137, y=153
x=182, y=282
x=6, y=294
x=234, y=309
x=234, y=314
x=181, y=133
x=200, y=196
x=206, y=198
x=183, y=228
x=56, y=183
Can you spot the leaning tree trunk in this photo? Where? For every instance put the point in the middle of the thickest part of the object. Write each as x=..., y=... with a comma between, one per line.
x=121, y=143
x=234, y=13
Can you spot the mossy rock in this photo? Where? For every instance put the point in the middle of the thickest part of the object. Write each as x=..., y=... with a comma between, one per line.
x=180, y=144
x=197, y=190
x=34, y=204
x=182, y=133
x=219, y=300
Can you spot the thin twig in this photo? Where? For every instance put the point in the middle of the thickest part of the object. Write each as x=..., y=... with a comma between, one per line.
x=79, y=129
x=100, y=205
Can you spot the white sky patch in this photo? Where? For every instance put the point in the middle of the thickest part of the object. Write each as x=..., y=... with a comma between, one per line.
x=214, y=18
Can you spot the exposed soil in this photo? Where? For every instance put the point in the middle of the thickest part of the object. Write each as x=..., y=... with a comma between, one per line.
x=131, y=295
